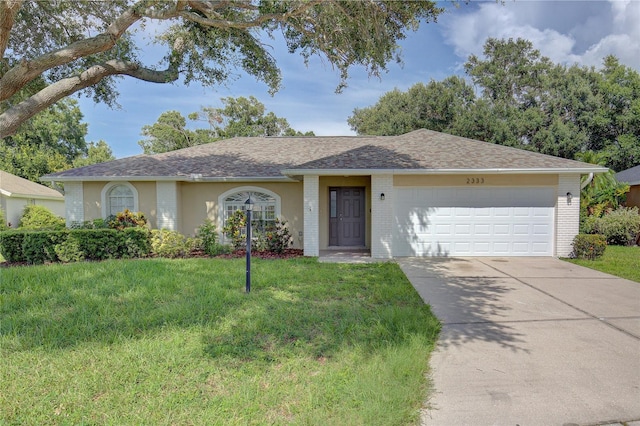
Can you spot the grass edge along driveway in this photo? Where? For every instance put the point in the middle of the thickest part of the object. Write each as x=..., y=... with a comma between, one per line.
x=161, y=341
x=621, y=261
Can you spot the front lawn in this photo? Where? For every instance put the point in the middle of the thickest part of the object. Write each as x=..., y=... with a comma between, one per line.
x=617, y=260
x=161, y=342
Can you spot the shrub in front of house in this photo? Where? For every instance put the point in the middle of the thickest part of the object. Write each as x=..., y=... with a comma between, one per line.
x=127, y=219
x=588, y=246
x=234, y=229
x=101, y=244
x=207, y=236
x=92, y=224
x=278, y=237
x=275, y=238
x=39, y=246
x=171, y=244
x=620, y=227
x=11, y=245
x=69, y=250
x=38, y=217
x=72, y=245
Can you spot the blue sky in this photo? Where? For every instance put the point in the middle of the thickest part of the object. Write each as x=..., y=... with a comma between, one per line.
x=568, y=32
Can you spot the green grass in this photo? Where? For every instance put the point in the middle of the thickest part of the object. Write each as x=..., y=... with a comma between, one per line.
x=159, y=342
x=617, y=260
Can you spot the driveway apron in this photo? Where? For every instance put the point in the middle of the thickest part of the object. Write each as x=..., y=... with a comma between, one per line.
x=530, y=341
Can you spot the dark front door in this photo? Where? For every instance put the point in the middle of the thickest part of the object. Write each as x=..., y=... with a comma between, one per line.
x=346, y=216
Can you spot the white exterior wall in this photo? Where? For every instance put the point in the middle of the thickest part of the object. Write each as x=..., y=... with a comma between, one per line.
x=13, y=208
x=311, y=193
x=74, y=202
x=567, y=214
x=382, y=216
x=167, y=209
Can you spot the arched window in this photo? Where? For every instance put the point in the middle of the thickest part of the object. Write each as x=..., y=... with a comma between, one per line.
x=266, y=205
x=117, y=197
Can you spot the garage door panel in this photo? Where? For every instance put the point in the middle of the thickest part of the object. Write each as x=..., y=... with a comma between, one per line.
x=501, y=229
x=474, y=222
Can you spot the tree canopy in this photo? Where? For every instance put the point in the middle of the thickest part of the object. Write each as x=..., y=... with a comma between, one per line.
x=52, y=141
x=520, y=98
x=51, y=49
x=239, y=117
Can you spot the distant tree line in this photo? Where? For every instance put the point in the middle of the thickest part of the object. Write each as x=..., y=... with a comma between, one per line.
x=239, y=117
x=519, y=98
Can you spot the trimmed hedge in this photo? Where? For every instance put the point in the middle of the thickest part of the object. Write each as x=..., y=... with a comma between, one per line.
x=40, y=246
x=74, y=244
x=11, y=245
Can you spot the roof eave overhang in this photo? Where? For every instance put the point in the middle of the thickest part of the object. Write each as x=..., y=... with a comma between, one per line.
x=194, y=178
x=362, y=172
x=32, y=196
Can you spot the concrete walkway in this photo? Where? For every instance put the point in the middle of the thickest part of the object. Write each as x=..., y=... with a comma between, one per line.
x=530, y=341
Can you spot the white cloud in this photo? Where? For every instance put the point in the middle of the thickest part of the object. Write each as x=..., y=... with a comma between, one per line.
x=624, y=42
x=614, y=32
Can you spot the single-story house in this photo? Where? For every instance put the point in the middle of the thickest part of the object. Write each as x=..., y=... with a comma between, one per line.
x=632, y=177
x=16, y=192
x=423, y=193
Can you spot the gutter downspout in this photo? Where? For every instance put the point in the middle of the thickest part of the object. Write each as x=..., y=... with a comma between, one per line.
x=586, y=182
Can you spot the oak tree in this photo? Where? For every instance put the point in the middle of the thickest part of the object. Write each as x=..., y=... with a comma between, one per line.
x=523, y=100
x=84, y=45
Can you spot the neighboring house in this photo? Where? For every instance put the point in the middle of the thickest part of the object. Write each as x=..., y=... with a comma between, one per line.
x=16, y=192
x=632, y=177
x=420, y=194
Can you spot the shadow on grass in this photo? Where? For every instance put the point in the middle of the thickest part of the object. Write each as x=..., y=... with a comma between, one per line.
x=297, y=307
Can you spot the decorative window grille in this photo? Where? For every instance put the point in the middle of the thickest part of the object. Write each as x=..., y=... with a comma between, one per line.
x=119, y=198
x=264, y=207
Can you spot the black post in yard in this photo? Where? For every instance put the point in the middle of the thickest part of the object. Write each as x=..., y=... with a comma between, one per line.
x=249, y=207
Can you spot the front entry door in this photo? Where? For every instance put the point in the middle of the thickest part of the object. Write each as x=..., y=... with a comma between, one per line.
x=346, y=216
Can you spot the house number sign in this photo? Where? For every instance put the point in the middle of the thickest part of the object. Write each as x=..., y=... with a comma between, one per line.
x=475, y=181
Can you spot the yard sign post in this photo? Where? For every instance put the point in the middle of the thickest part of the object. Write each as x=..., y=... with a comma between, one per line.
x=249, y=206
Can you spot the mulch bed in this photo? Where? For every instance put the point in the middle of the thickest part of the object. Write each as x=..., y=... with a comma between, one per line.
x=287, y=254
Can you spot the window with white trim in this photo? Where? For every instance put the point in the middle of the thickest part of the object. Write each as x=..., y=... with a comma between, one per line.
x=264, y=207
x=119, y=198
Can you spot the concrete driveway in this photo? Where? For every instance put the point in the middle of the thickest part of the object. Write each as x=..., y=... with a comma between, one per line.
x=530, y=341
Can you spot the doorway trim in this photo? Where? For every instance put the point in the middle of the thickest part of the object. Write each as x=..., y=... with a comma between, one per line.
x=347, y=216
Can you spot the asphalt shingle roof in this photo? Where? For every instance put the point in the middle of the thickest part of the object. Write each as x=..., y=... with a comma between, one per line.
x=12, y=185
x=631, y=176
x=267, y=157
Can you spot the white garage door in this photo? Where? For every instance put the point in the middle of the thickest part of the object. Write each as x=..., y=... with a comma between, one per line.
x=456, y=221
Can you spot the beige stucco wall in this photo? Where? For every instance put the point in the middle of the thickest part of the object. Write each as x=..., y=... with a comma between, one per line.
x=147, y=201
x=330, y=181
x=472, y=180
x=199, y=201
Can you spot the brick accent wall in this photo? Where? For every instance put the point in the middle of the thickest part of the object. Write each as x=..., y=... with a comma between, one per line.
x=567, y=214
x=311, y=204
x=74, y=202
x=381, y=216
x=167, y=200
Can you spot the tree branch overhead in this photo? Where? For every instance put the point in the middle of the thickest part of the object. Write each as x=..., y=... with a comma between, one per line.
x=42, y=61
